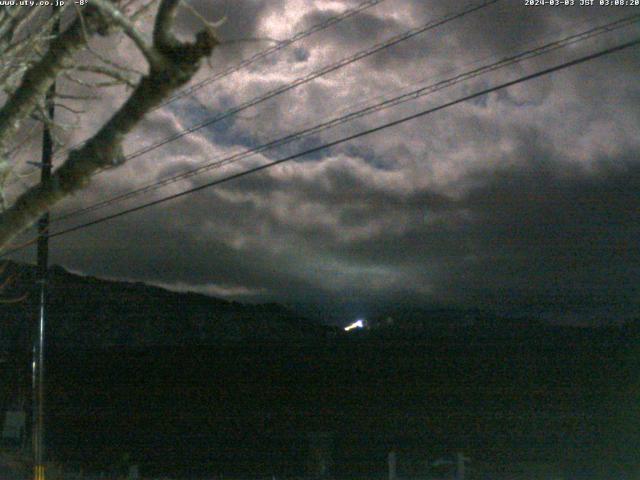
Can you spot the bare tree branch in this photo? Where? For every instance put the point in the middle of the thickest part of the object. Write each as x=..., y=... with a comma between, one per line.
x=163, y=39
x=174, y=64
x=117, y=75
x=123, y=22
x=20, y=51
x=145, y=8
x=37, y=80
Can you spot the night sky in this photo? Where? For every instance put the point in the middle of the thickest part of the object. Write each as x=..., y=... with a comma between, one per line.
x=524, y=202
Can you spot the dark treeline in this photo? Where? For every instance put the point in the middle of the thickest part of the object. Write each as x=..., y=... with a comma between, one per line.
x=247, y=409
x=237, y=389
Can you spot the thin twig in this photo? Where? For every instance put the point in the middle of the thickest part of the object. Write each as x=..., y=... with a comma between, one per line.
x=108, y=72
x=116, y=16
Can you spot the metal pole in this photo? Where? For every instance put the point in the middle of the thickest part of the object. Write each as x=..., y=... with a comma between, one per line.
x=460, y=465
x=392, y=463
x=43, y=265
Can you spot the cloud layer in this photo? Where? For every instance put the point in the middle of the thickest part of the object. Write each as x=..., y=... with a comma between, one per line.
x=525, y=201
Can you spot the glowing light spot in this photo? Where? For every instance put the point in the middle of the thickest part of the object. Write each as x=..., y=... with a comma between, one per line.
x=358, y=324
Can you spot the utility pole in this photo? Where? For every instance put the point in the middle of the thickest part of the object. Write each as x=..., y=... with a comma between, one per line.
x=43, y=267
x=392, y=463
x=461, y=460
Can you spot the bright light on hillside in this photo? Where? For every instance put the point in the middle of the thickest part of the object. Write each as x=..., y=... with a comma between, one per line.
x=358, y=324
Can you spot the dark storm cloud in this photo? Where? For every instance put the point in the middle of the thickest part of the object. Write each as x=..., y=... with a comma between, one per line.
x=525, y=201
x=560, y=241
x=535, y=237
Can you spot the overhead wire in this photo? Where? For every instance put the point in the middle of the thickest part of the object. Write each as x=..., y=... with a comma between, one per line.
x=309, y=77
x=396, y=39
x=264, y=53
x=259, y=56
x=391, y=102
x=408, y=34
x=429, y=111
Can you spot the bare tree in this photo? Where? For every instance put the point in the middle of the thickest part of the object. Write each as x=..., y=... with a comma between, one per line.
x=33, y=57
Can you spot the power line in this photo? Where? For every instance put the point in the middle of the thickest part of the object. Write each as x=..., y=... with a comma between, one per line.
x=259, y=56
x=403, y=98
x=384, y=126
x=368, y=110
x=307, y=78
x=279, y=46
x=311, y=76
x=316, y=74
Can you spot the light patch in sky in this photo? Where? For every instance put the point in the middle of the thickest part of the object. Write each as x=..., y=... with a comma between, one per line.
x=220, y=291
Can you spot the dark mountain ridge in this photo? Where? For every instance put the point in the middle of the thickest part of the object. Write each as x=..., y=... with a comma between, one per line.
x=181, y=377
x=90, y=312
